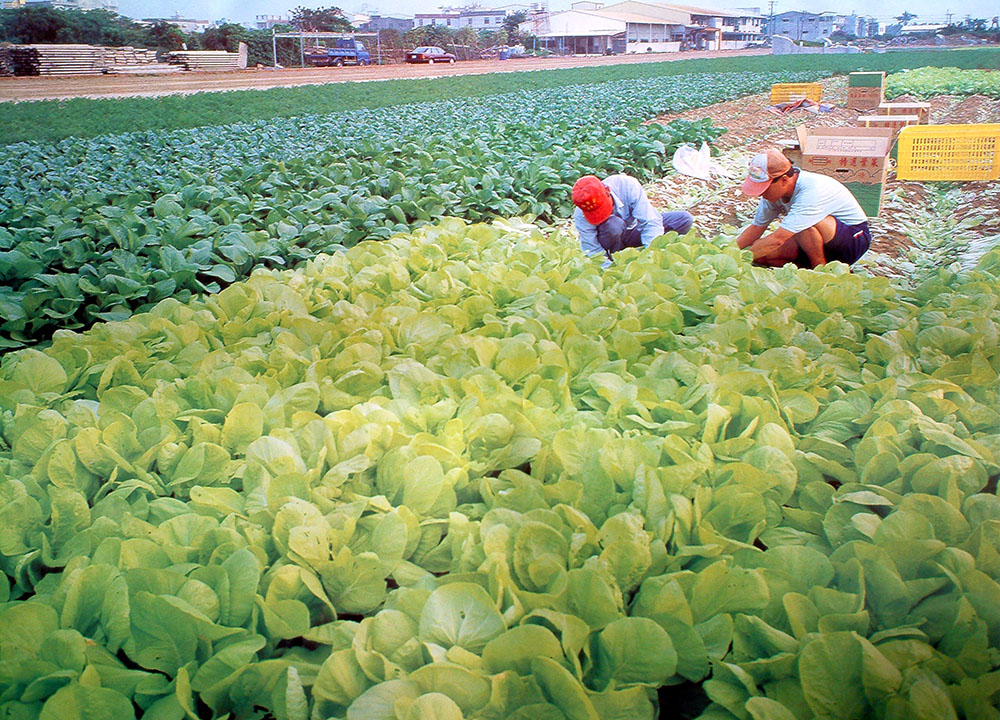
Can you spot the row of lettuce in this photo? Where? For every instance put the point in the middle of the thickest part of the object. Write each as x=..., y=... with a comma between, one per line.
x=927, y=82
x=59, y=119
x=93, y=229
x=465, y=473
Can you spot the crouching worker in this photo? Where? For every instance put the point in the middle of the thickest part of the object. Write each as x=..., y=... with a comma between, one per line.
x=615, y=213
x=822, y=220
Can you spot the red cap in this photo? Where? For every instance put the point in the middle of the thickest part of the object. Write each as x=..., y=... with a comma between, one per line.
x=593, y=197
x=764, y=168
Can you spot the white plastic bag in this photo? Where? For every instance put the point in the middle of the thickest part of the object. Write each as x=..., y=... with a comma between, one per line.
x=696, y=163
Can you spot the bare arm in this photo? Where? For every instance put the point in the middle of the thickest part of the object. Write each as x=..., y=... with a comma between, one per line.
x=768, y=245
x=749, y=236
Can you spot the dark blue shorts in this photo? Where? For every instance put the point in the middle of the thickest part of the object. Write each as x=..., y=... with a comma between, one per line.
x=848, y=244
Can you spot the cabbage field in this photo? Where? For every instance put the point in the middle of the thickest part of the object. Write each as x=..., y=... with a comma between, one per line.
x=270, y=449
x=927, y=82
x=93, y=229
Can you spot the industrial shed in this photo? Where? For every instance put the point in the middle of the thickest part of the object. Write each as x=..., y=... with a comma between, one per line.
x=633, y=26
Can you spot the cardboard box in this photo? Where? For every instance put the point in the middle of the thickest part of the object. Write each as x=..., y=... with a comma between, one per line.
x=857, y=157
x=893, y=122
x=865, y=90
x=921, y=109
x=791, y=150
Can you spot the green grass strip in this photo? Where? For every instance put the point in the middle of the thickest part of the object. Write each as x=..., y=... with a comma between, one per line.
x=52, y=120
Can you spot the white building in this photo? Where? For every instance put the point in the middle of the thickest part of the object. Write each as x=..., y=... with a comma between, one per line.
x=739, y=26
x=476, y=18
x=811, y=27
x=579, y=32
x=185, y=24
x=636, y=26
x=917, y=29
x=482, y=19
x=109, y=5
x=448, y=19
x=266, y=22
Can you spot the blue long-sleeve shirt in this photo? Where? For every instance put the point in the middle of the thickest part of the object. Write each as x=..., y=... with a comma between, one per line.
x=629, y=199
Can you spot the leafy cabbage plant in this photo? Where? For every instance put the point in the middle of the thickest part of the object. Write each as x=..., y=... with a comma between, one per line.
x=466, y=473
x=96, y=228
x=928, y=82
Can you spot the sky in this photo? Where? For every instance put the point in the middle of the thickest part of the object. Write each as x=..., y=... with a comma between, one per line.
x=247, y=10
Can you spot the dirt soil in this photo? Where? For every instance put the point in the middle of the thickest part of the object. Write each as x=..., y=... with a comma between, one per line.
x=14, y=89
x=752, y=128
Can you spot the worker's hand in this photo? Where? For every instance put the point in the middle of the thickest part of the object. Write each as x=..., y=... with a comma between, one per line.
x=770, y=245
x=749, y=236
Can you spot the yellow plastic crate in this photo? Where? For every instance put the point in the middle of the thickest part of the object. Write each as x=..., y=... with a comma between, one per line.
x=949, y=152
x=790, y=92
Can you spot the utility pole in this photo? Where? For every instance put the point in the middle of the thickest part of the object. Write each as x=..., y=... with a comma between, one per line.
x=770, y=18
x=948, y=14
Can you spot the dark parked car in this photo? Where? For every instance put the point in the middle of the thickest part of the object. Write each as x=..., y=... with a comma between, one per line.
x=429, y=54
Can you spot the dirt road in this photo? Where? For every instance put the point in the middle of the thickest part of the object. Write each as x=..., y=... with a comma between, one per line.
x=15, y=89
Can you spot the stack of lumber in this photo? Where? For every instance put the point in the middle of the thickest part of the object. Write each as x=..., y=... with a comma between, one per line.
x=150, y=69
x=128, y=55
x=90, y=59
x=71, y=59
x=57, y=59
x=216, y=60
x=6, y=61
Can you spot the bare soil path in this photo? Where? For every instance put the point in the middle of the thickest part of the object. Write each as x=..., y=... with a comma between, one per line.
x=16, y=89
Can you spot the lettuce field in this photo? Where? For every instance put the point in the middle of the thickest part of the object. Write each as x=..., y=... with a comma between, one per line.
x=270, y=449
x=927, y=82
x=93, y=229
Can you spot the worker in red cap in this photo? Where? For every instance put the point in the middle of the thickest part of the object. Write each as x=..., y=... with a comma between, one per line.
x=821, y=221
x=615, y=213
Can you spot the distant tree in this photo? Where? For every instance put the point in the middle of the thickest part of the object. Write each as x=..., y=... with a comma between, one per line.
x=511, y=23
x=437, y=35
x=492, y=38
x=41, y=24
x=906, y=17
x=224, y=37
x=260, y=50
x=167, y=36
x=391, y=39
x=467, y=36
x=841, y=36
x=329, y=19
x=31, y=24
x=115, y=29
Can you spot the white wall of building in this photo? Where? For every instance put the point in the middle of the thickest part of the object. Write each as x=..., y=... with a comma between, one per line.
x=656, y=26
x=480, y=21
x=657, y=47
x=573, y=23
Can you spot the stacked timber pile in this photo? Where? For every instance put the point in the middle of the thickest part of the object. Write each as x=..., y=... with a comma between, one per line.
x=128, y=56
x=6, y=61
x=216, y=60
x=71, y=59
x=136, y=61
x=90, y=59
x=150, y=69
x=57, y=59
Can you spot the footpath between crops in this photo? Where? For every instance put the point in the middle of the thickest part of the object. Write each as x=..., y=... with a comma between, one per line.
x=922, y=225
